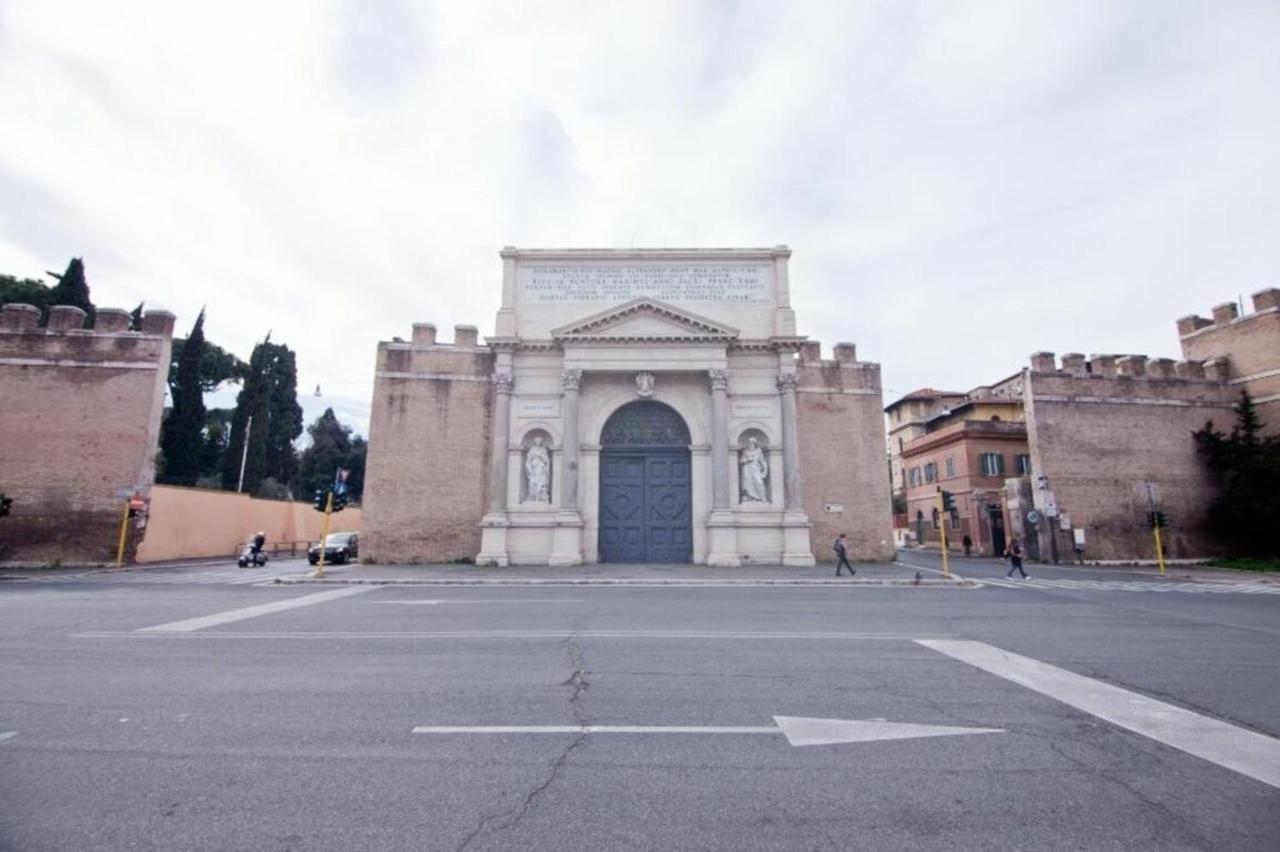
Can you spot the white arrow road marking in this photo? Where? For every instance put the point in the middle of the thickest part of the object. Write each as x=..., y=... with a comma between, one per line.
x=8, y=735
x=1249, y=753
x=192, y=624
x=798, y=730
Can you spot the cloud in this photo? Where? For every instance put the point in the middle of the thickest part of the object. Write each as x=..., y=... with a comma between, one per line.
x=962, y=183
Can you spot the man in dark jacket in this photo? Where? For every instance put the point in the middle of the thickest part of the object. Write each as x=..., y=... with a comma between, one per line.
x=842, y=555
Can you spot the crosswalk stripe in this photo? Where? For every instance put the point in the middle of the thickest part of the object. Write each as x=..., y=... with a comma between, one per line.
x=1139, y=586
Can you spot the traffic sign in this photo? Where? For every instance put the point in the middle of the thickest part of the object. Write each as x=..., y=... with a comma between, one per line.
x=137, y=502
x=1033, y=517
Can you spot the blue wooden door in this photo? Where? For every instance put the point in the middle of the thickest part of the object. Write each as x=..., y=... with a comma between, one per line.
x=645, y=507
x=645, y=487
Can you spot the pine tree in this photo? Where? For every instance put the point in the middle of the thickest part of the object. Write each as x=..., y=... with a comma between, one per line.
x=251, y=402
x=72, y=289
x=332, y=446
x=1245, y=467
x=284, y=415
x=182, y=436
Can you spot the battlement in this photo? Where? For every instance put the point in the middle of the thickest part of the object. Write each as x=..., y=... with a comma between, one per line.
x=25, y=319
x=1264, y=302
x=1111, y=366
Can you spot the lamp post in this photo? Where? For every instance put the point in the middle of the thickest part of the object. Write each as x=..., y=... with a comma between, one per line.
x=244, y=454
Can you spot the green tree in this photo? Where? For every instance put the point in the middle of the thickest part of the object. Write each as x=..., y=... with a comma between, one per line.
x=182, y=436
x=270, y=397
x=217, y=437
x=26, y=291
x=332, y=446
x=72, y=289
x=217, y=365
x=1245, y=467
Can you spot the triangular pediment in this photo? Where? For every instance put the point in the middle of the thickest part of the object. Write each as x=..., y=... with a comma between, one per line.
x=644, y=319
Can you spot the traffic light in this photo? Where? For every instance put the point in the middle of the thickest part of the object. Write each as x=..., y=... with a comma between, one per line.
x=339, y=502
x=1157, y=520
x=5, y=504
x=321, y=494
x=948, y=501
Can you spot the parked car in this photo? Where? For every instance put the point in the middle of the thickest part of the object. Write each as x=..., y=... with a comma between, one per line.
x=339, y=547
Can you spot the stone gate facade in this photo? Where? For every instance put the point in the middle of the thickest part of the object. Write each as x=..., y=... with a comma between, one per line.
x=631, y=406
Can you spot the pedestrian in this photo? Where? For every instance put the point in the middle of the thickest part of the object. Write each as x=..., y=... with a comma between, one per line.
x=968, y=545
x=842, y=555
x=1014, y=553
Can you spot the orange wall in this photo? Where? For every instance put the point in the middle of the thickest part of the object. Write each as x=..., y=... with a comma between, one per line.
x=195, y=522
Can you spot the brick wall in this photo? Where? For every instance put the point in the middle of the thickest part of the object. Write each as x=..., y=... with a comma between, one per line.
x=80, y=421
x=1248, y=346
x=1099, y=436
x=426, y=472
x=840, y=417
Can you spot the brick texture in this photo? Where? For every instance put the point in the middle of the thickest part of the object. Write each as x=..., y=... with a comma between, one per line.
x=80, y=420
x=1250, y=345
x=428, y=451
x=840, y=419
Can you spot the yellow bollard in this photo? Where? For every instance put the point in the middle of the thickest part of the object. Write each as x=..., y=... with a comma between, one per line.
x=1159, y=550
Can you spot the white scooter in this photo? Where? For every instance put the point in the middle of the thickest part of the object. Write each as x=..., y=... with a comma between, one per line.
x=252, y=557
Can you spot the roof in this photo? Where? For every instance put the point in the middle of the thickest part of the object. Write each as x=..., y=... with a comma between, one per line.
x=923, y=394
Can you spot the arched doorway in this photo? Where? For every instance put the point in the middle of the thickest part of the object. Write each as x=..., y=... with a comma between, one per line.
x=646, y=492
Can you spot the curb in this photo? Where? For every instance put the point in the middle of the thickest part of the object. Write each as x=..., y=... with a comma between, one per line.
x=923, y=584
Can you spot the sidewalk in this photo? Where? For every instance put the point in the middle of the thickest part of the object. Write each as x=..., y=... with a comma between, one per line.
x=870, y=574
x=1182, y=572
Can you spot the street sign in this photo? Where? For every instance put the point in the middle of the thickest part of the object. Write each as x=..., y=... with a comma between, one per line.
x=799, y=731
x=137, y=502
x=1033, y=517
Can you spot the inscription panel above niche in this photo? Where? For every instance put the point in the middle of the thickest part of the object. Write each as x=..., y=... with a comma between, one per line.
x=667, y=282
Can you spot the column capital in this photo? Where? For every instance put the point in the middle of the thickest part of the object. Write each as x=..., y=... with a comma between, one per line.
x=504, y=383
x=719, y=379
x=571, y=380
x=788, y=382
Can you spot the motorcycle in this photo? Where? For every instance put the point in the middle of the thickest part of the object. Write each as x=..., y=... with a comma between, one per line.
x=257, y=558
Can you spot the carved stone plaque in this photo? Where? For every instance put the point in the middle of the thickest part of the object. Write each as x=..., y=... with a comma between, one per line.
x=750, y=409
x=667, y=282
x=536, y=409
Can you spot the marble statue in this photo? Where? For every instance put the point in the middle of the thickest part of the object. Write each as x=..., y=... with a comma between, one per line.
x=644, y=384
x=537, y=472
x=754, y=472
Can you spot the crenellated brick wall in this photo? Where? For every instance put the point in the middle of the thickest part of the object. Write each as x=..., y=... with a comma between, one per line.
x=426, y=473
x=1245, y=350
x=80, y=422
x=1101, y=429
x=841, y=428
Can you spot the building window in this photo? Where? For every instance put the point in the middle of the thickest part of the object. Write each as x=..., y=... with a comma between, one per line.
x=1024, y=465
x=930, y=472
x=913, y=476
x=992, y=464
x=951, y=467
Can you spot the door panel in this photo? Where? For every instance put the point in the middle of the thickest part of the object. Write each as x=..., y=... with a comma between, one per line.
x=645, y=507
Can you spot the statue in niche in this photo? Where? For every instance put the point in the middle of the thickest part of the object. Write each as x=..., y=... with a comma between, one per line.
x=537, y=472
x=753, y=473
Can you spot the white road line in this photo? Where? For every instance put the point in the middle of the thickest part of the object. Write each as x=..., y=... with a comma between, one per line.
x=166, y=631
x=192, y=624
x=8, y=735
x=1249, y=753
x=437, y=602
x=594, y=729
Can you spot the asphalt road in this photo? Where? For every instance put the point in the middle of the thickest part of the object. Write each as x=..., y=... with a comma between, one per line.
x=292, y=726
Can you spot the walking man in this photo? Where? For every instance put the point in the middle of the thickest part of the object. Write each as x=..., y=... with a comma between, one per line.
x=842, y=555
x=1014, y=552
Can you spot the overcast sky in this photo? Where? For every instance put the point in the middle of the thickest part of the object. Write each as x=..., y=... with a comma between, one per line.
x=961, y=183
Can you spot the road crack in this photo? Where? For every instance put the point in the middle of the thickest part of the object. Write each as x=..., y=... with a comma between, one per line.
x=577, y=681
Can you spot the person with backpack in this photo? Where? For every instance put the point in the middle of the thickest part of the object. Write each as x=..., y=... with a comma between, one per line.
x=842, y=555
x=1014, y=554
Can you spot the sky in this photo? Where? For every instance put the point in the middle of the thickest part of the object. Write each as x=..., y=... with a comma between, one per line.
x=962, y=184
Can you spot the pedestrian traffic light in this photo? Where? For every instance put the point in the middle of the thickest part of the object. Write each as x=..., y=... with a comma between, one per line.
x=1157, y=520
x=948, y=501
x=5, y=504
x=320, y=499
x=339, y=502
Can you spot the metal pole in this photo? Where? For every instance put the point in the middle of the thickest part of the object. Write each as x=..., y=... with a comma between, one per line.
x=244, y=454
x=942, y=519
x=328, y=512
x=124, y=534
x=1159, y=550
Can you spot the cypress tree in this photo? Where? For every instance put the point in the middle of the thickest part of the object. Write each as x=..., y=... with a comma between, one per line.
x=270, y=395
x=182, y=436
x=252, y=401
x=72, y=289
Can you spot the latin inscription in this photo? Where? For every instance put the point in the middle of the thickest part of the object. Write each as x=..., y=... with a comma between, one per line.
x=665, y=282
x=749, y=410
x=538, y=408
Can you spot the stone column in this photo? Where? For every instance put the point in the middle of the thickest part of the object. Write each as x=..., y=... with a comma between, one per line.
x=719, y=440
x=566, y=545
x=722, y=531
x=795, y=523
x=503, y=384
x=493, y=528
